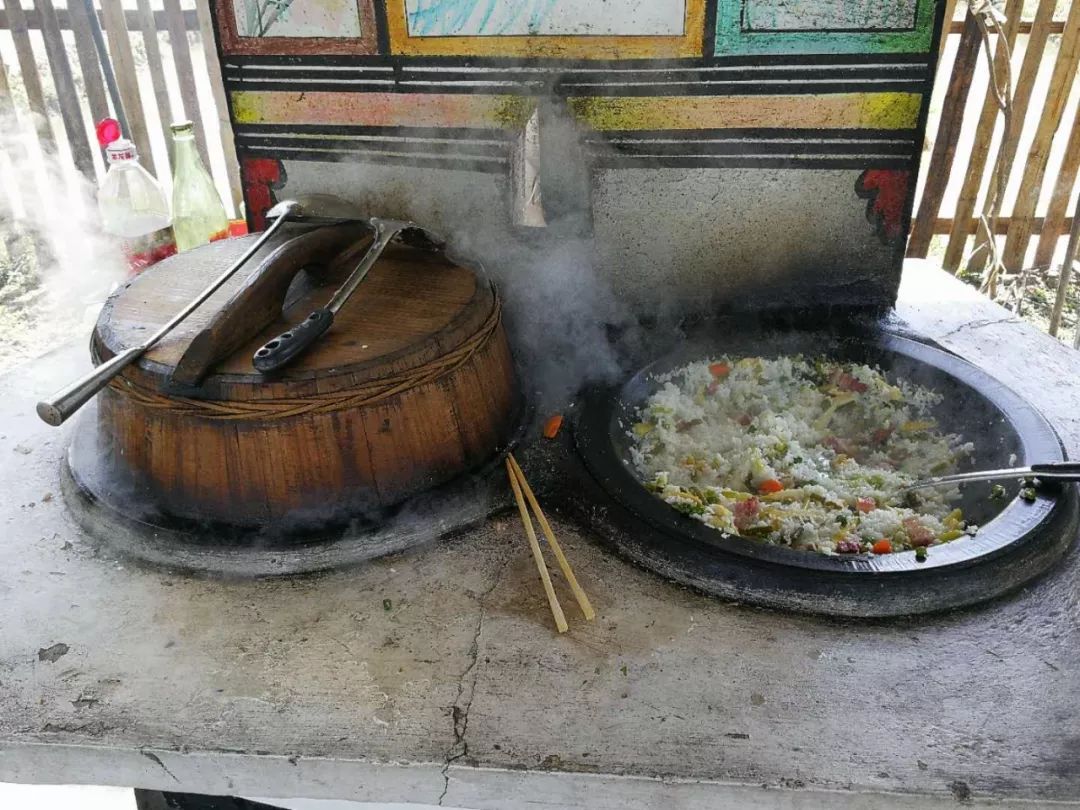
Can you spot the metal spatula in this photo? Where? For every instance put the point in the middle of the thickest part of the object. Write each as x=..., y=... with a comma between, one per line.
x=1053, y=471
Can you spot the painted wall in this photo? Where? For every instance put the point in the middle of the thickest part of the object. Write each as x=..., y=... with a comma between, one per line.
x=735, y=151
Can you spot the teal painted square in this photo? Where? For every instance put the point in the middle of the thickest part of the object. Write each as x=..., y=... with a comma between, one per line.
x=734, y=38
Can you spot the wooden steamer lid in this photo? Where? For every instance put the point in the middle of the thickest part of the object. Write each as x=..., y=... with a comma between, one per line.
x=412, y=386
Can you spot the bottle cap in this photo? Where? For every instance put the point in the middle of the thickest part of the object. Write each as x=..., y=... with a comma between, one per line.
x=182, y=127
x=107, y=130
x=121, y=149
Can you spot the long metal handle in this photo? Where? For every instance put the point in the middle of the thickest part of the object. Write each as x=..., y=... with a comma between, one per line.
x=56, y=409
x=1053, y=471
x=65, y=402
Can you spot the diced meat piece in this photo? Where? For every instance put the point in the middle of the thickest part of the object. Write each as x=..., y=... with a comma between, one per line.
x=745, y=512
x=682, y=425
x=881, y=435
x=849, y=545
x=865, y=505
x=847, y=382
x=918, y=534
x=840, y=446
x=745, y=420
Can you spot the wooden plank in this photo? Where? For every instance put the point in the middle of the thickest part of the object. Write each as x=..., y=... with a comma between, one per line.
x=1055, y=227
x=156, y=66
x=1065, y=277
x=185, y=72
x=945, y=225
x=66, y=95
x=1026, y=26
x=1027, y=198
x=1023, y=87
x=980, y=151
x=33, y=20
x=947, y=28
x=948, y=133
x=35, y=96
x=124, y=67
x=88, y=60
x=221, y=105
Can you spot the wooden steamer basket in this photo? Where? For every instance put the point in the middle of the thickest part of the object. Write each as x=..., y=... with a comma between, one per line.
x=412, y=386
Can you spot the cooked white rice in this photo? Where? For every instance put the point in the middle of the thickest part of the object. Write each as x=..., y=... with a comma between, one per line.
x=808, y=454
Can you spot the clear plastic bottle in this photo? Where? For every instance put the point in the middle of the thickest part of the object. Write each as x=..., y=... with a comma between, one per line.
x=198, y=215
x=134, y=207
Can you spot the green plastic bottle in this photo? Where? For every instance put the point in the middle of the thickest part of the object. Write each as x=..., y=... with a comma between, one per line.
x=198, y=215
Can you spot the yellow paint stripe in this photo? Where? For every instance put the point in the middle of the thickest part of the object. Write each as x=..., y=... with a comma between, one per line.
x=382, y=109
x=839, y=111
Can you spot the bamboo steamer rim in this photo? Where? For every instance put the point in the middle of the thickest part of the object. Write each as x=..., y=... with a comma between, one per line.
x=414, y=311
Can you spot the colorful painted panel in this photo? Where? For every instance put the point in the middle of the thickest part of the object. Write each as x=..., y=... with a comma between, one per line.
x=297, y=26
x=581, y=29
x=497, y=18
x=854, y=15
x=297, y=18
x=823, y=26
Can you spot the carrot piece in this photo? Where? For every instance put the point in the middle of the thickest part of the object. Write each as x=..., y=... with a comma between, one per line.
x=552, y=425
x=769, y=486
x=882, y=546
x=719, y=369
x=865, y=504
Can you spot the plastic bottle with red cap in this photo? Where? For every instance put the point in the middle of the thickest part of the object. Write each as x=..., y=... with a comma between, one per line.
x=132, y=204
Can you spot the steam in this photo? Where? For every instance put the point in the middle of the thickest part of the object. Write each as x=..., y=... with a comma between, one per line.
x=56, y=265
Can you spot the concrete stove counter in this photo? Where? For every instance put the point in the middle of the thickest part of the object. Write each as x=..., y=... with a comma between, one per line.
x=436, y=676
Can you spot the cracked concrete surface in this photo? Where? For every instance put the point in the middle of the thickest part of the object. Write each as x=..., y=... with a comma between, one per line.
x=437, y=675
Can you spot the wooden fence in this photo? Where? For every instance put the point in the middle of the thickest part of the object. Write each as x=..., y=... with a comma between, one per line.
x=1020, y=185
x=161, y=74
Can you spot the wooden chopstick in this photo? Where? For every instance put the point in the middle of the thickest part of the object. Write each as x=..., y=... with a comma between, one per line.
x=556, y=548
x=534, y=544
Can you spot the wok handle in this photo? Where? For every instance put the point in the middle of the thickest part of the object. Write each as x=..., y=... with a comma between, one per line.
x=279, y=351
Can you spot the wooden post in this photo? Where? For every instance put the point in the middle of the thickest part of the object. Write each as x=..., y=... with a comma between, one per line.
x=124, y=67
x=185, y=72
x=952, y=119
x=88, y=61
x=1054, y=227
x=1027, y=198
x=157, y=70
x=1064, y=277
x=35, y=96
x=1024, y=85
x=66, y=96
x=217, y=83
x=980, y=151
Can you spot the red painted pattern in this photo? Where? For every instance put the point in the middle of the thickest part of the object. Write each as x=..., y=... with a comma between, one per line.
x=886, y=193
x=261, y=176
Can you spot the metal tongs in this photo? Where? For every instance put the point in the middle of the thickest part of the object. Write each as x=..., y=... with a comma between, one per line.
x=290, y=344
x=1053, y=471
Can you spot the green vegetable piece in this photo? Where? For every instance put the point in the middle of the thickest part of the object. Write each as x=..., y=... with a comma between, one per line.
x=920, y=554
x=1028, y=494
x=387, y=604
x=997, y=492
